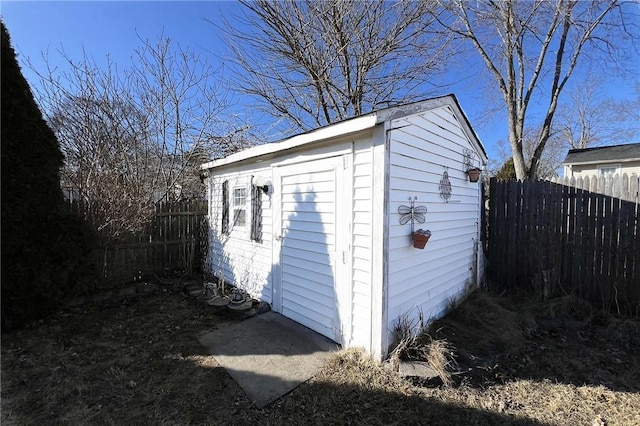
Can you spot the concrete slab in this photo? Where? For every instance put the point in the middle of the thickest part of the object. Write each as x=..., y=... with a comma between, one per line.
x=417, y=369
x=268, y=355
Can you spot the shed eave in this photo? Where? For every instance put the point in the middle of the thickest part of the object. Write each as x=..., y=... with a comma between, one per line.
x=342, y=128
x=354, y=125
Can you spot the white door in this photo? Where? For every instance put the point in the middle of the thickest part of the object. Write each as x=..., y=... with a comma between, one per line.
x=310, y=246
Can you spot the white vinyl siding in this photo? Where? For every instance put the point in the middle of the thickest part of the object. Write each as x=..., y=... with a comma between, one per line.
x=630, y=168
x=244, y=263
x=361, y=239
x=308, y=248
x=422, y=148
x=583, y=170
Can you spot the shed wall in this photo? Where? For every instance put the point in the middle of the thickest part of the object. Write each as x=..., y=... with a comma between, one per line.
x=249, y=264
x=244, y=263
x=422, y=148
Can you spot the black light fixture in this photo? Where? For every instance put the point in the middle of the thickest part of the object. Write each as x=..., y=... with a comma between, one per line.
x=203, y=175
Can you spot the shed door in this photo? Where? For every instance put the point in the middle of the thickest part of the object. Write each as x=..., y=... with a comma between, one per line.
x=310, y=250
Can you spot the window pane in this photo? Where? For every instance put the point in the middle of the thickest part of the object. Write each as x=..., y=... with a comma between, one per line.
x=608, y=170
x=239, y=206
x=239, y=217
x=239, y=196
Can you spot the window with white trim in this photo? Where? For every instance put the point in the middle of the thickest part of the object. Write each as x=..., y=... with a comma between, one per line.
x=239, y=204
x=609, y=170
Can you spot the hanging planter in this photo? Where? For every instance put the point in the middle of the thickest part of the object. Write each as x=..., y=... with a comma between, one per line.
x=420, y=238
x=474, y=174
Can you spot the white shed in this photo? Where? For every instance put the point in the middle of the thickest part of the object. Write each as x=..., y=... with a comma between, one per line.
x=315, y=224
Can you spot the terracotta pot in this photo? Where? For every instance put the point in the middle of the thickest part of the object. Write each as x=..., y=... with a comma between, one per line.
x=419, y=240
x=474, y=174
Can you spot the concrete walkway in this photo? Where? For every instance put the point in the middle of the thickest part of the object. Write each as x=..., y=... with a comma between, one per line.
x=268, y=355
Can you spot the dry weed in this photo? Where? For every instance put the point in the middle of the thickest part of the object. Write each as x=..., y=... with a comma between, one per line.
x=416, y=344
x=440, y=356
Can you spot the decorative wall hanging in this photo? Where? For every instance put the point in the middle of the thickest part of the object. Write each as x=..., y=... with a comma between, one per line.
x=445, y=186
x=473, y=172
x=467, y=159
x=413, y=213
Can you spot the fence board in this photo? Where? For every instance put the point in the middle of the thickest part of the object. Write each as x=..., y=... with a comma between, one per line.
x=558, y=239
x=170, y=241
x=607, y=247
x=577, y=254
x=589, y=243
x=624, y=187
x=511, y=234
x=621, y=254
x=563, y=230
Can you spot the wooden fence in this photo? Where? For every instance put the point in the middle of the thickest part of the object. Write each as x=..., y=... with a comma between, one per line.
x=171, y=241
x=558, y=239
x=623, y=186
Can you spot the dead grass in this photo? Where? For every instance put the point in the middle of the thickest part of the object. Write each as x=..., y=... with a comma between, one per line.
x=439, y=355
x=138, y=362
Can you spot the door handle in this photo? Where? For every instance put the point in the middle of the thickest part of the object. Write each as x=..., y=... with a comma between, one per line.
x=279, y=237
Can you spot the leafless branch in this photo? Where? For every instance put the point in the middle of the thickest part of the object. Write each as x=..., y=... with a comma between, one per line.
x=531, y=50
x=311, y=63
x=135, y=136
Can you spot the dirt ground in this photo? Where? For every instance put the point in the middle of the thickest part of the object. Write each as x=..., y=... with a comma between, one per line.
x=136, y=361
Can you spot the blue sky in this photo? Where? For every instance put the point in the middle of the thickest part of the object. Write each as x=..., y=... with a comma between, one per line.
x=113, y=28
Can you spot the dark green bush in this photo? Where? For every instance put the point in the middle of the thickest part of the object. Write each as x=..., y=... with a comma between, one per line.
x=45, y=250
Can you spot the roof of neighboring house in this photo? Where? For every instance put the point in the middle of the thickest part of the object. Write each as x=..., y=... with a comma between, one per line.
x=628, y=152
x=349, y=126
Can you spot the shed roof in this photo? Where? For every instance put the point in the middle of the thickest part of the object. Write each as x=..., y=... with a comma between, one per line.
x=628, y=152
x=350, y=126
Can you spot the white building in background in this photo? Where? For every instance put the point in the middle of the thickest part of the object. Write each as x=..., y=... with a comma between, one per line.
x=617, y=159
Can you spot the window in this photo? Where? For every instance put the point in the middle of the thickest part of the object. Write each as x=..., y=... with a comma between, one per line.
x=239, y=206
x=609, y=170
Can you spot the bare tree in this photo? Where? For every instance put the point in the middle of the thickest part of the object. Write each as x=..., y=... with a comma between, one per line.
x=550, y=160
x=590, y=118
x=532, y=49
x=586, y=118
x=133, y=137
x=630, y=109
x=311, y=63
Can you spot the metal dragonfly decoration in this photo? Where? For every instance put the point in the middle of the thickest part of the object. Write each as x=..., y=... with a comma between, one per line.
x=412, y=213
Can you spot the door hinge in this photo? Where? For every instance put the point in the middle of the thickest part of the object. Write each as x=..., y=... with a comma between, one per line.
x=344, y=257
x=345, y=162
